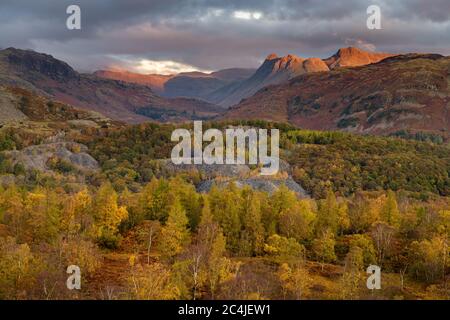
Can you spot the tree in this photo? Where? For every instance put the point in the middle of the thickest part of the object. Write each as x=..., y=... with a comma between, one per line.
x=332, y=215
x=206, y=264
x=281, y=201
x=18, y=269
x=252, y=230
x=189, y=199
x=283, y=247
x=44, y=215
x=219, y=268
x=363, y=213
x=225, y=209
x=383, y=236
x=365, y=243
x=75, y=214
x=174, y=235
x=323, y=247
x=108, y=215
x=351, y=278
x=390, y=213
x=295, y=281
x=298, y=221
x=151, y=282
x=155, y=200
x=147, y=233
x=13, y=212
x=429, y=258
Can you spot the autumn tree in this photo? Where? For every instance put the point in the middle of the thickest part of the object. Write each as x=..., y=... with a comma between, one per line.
x=18, y=269
x=365, y=243
x=383, y=238
x=332, y=215
x=155, y=200
x=298, y=221
x=281, y=201
x=252, y=230
x=363, y=212
x=189, y=199
x=429, y=258
x=42, y=208
x=151, y=282
x=225, y=207
x=205, y=263
x=323, y=247
x=279, y=246
x=13, y=211
x=295, y=281
x=352, y=277
x=108, y=215
x=389, y=212
x=175, y=234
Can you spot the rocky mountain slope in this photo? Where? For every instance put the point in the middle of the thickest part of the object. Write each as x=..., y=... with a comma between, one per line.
x=354, y=57
x=18, y=105
x=408, y=92
x=55, y=79
x=277, y=70
x=274, y=70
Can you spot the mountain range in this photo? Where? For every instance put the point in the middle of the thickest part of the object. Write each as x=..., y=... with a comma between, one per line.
x=406, y=92
x=353, y=90
x=133, y=103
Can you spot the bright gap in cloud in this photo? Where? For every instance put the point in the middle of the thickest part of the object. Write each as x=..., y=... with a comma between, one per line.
x=147, y=66
x=247, y=15
x=163, y=67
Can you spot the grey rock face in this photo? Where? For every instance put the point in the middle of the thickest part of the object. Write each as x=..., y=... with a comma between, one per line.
x=241, y=175
x=267, y=185
x=37, y=156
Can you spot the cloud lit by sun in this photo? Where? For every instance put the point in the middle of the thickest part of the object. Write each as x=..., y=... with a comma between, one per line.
x=163, y=67
x=247, y=15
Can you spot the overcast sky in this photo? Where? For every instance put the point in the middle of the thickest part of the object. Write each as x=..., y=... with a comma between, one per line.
x=178, y=35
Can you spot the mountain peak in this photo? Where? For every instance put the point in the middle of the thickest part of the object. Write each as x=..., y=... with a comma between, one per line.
x=353, y=57
x=272, y=56
x=29, y=60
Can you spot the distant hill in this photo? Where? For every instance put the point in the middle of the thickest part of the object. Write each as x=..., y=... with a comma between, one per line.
x=187, y=84
x=55, y=79
x=407, y=92
x=154, y=81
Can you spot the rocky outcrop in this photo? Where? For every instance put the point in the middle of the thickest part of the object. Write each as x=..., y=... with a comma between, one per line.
x=241, y=175
x=262, y=184
x=37, y=157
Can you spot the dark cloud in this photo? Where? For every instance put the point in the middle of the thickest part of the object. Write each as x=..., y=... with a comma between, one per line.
x=207, y=34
